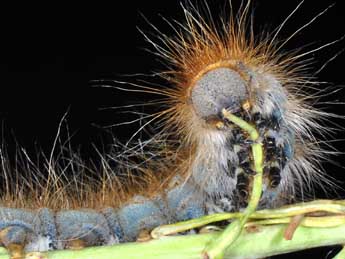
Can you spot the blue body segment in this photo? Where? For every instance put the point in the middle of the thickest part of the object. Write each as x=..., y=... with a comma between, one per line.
x=87, y=225
x=27, y=227
x=18, y=217
x=141, y=213
x=184, y=204
x=45, y=229
x=15, y=234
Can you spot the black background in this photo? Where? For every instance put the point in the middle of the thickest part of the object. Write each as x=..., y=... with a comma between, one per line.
x=49, y=55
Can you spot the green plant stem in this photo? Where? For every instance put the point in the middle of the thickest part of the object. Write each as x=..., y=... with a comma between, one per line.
x=324, y=222
x=216, y=248
x=319, y=222
x=341, y=254
x=328, y=206
x=259, y=242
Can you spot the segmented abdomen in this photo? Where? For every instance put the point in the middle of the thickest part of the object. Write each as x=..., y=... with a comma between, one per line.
x=44, y=229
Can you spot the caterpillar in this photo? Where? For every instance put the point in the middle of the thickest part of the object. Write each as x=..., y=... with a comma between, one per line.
x=198, y=163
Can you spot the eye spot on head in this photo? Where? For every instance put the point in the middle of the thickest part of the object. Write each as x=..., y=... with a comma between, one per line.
x=216, y=89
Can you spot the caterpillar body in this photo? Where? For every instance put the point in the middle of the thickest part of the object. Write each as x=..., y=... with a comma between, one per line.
x=202, y=163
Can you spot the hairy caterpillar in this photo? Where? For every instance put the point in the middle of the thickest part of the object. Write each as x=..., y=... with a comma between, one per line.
x=184, y=155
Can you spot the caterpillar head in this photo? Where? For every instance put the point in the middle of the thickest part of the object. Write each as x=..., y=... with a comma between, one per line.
x=258, y=98
x=216, y=68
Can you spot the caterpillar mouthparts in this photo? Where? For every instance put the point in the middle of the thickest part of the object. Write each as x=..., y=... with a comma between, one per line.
x=202, y=163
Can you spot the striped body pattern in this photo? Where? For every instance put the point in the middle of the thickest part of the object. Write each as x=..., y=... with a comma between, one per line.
x=202, y=163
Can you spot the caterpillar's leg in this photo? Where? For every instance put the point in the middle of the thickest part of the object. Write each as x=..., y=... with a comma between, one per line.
x=13, y=238
x=78, y=229
x=144, y=235
x=20, y=230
